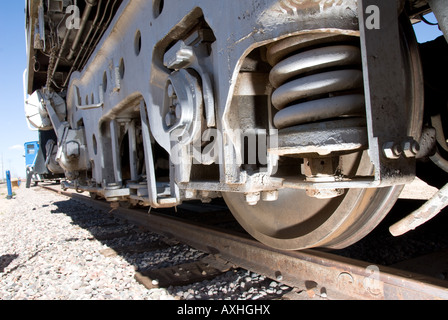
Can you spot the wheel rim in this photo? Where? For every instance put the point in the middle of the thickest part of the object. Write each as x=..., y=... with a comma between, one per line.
x=326, y=235
x=296, y=221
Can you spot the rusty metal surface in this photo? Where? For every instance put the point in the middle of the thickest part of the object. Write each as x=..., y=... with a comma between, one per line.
x=426, y=212
x=338, y=278
x=391, y=91
x=322, y=274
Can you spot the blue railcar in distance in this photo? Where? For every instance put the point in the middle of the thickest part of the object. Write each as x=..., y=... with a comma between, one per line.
x=31, y=149
x=36, y=166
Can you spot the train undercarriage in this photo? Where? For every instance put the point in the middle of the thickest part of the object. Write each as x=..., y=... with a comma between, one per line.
x=308, y=117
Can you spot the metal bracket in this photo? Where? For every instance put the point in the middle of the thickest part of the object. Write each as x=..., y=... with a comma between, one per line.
x=153, y=198
x=385, y=91
x=96, y=105
x=191, y=54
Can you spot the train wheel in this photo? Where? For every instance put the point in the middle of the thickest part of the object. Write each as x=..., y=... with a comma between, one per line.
x=296, y=221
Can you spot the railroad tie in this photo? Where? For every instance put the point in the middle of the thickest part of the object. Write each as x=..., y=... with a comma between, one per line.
x=135, y=249
x=208, y=268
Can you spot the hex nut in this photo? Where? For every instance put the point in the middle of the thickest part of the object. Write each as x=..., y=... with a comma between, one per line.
x=410, y=148
x=190, y=194
x=252, y=198
x=269, y=195
x=392, y=150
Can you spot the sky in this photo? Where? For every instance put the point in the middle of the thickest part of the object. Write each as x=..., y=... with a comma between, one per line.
x=14, y=131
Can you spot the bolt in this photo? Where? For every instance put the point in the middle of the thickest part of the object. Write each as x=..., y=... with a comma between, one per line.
x=410, y=148
x=206, y=196
x=190, y=194
x=170, y=91
x=269, y=195
x=392, y=150
x=252, y=198
x=169, y=119
x=179, y=56
x=178, y=110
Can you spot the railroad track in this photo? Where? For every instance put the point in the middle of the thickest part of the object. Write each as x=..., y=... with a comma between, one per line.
x=307, y=274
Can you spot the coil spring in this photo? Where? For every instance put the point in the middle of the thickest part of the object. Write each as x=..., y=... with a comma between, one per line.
x=315, y=82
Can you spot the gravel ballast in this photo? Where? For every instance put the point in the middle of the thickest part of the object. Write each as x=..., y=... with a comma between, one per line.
x=52, y=258
x=53, y=247
x=48, y=251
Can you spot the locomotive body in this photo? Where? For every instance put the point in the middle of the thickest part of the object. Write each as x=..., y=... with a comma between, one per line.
x=306, y=116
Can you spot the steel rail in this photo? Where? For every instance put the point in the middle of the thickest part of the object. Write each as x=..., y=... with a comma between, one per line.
x=321, y=274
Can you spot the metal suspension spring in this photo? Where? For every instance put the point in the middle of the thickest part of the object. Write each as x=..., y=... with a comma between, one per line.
x=316, y=77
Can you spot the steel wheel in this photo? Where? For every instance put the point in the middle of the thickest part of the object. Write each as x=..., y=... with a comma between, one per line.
x=296, y=221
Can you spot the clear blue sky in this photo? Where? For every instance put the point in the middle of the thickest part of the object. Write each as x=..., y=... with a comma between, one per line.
x=14, y=131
